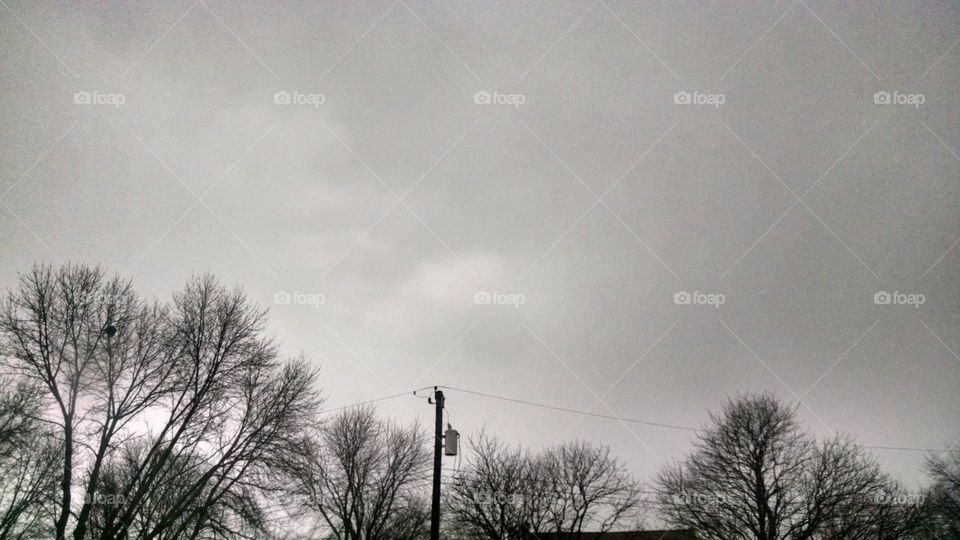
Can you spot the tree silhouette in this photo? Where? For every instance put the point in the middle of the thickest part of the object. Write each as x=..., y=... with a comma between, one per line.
x=362, y=477
x=590, y=489
x=166, y=415
x=570, y=488
x=943, y=496
x=497, y=494
x=28, y=461
x=755, y=475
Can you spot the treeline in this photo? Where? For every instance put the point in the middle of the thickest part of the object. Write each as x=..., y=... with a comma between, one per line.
x=753, y=474
x=122, y=418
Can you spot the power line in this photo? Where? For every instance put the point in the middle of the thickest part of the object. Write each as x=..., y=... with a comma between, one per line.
x=648, y=423
x=598, y=415
x=573, y=411
x=384, y=398
x=902, y=448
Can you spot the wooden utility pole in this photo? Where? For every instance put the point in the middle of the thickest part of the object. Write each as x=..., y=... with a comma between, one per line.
x=437, y=456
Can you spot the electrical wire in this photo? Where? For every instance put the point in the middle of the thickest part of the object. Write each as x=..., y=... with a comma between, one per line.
x=595, y=415
x=648, y=423
x=572, y=411
x=384, y=398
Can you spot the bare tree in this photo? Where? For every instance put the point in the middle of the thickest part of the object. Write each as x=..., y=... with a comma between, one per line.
x=755, y=475
x=52, y=334
x=571, y=488
x=362, y=477
x=943, y=497
x=235, y=513
x=591, y=490
x=20, y=403
x=190, y=400
x=29, y=452
x=233, y=408
x=851, y=498
x=498, y=493
x=409, y=520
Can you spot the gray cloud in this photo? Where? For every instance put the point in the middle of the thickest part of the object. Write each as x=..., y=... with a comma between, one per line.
x=504, y=199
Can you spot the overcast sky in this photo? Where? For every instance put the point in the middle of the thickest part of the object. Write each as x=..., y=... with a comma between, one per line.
x=337, y=161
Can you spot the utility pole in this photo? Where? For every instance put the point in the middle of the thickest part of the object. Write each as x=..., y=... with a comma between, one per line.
x=437, y=455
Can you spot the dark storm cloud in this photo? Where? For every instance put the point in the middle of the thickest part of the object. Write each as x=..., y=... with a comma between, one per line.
x=583, y=188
